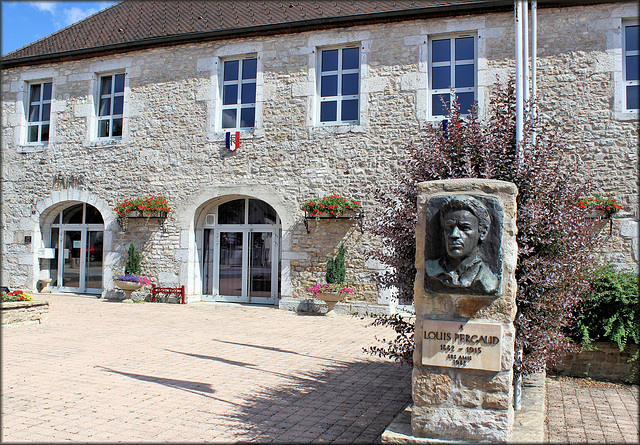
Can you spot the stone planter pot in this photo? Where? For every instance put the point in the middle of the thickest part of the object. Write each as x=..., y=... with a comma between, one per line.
x=128, y=287
x=331, y=298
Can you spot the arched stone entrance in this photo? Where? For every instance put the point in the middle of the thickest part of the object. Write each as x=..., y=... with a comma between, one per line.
x=240, y=251
x=75, y=234
x=78, y=227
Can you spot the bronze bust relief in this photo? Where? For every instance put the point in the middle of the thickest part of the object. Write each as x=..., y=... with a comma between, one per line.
x=461, y=253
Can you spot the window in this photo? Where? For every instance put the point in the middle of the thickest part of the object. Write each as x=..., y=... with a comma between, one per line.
x=239, y=94
x=340, y=85
x=452, y=66
x=39, y=112
x=110, y=106
x=630, y=66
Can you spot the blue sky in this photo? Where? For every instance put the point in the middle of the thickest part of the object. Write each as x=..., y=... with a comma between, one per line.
x=26, y=22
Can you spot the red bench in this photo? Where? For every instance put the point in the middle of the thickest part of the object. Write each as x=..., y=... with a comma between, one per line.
x=167, y=291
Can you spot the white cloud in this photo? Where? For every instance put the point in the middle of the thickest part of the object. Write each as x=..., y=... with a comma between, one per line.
x=45, y=6
x=75, y=14
x=63, y=16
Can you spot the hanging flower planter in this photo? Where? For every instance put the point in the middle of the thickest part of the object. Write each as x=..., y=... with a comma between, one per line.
x=331, y=207
x=148, y=207
x=601, y=207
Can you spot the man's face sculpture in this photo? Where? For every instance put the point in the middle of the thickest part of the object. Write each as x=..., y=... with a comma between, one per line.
x=461, y=233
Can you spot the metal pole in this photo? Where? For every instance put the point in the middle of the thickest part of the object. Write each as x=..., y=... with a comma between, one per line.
x=519, y=81
x=525, y=51
x=534, y=61
x=517, y=391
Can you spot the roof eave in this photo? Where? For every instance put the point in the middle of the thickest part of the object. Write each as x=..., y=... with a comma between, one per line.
x=332, y=22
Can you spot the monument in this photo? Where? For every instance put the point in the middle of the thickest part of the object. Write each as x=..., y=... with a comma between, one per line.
x=465, y=301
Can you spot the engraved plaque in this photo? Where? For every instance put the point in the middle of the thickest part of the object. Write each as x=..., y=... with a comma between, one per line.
x=458, y=344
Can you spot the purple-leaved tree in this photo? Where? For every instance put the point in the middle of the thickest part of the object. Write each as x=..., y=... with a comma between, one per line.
x=555, y=238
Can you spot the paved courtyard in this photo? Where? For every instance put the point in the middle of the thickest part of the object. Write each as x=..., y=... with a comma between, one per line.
x=103, y=371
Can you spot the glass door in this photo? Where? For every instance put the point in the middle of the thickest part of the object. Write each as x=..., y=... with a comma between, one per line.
x=93, y=261
x=77, y=235
x=72, y=262
x=261, y=273
x=241, y=253
x=230, y=264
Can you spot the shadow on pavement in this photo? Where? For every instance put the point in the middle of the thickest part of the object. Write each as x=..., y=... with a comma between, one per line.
x=348, y=403
x=202, y=389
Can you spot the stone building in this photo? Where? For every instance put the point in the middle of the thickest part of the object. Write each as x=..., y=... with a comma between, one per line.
x=240, y=111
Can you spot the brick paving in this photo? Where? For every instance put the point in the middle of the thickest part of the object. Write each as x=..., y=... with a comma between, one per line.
x=583, y=411
x=152, y=372
x=103, y=371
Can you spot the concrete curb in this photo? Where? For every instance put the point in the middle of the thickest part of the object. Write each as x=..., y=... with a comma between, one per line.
x=528, y=427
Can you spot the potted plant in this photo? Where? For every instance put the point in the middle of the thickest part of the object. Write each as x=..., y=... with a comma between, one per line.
x=149, y=206
x=335, y=289
x=132, y=279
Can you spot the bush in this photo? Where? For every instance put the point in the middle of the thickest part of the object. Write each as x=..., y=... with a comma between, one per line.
x=336, y=271
x=133, y=263
x=555, y=237
x=609, y=311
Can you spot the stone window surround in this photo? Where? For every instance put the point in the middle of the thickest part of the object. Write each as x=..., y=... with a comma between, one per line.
x=451, y=28
x=90, y=113
x=22, y=108
x=615, y=42
x=213, y=96
x=40, y=102
x=111, y=96
x=452, y=64
x=626, y=23
x=316, y=116
x=239, y=82
x=310, y=89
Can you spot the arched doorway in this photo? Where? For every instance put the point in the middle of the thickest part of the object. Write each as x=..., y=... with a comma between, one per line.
x=76, y=235
x=241, y=253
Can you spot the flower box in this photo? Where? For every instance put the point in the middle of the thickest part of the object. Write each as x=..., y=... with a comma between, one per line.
x=147, y=207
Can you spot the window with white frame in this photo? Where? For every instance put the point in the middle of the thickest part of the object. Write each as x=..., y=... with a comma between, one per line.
x=339, y=86
x=239, y=94
x=111, y=105
x=452, y=66
x=631, y=60
x=39, y=112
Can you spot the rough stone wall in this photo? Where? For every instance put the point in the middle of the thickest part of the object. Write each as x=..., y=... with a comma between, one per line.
x=606, y=361
x=171, y=143
x=25, y=312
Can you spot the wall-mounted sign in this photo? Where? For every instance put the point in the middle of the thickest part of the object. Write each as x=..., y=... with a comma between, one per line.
x=64, y=182
x=46, y=252
x=457, y=344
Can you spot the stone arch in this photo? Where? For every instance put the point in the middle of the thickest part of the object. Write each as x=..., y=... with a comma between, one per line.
x=192, y=217
x=48, y=208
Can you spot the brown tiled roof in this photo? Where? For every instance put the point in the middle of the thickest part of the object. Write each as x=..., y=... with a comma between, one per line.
x=134, y=24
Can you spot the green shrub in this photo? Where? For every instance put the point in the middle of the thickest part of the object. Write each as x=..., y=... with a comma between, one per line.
x=336, y=271
x=609, y=311
x=133, y=264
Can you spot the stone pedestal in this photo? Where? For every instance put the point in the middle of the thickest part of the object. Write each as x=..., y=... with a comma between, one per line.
x=465, y=307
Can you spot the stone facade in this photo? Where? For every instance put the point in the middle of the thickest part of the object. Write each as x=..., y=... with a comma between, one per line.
x=172, y=142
